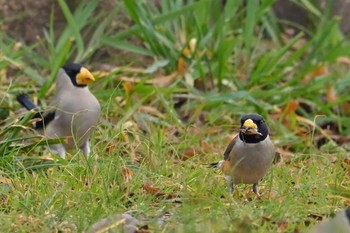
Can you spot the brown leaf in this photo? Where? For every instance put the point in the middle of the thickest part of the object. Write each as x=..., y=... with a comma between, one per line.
x=282, y=226
x=110, y=148
x=318, y=71
x=128, y=86
x=181, y=66
x=267, y=218
x=291, y=107
x=149, y=188
x=164, y=81
x=345, y=107
x=344, y=60
x=346, y=165
x=284, y=153
x=127, y=174
x=314, y=125
x=190, y=152
x=186, y=52
x=152, y=110
x=205, y=146
x=331, y=94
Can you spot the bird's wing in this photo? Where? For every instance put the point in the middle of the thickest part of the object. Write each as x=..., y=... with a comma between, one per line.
x=26, y=102
x=46, y=117
x=229, y=147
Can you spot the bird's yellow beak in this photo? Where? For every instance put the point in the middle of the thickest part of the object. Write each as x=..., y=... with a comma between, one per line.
x=250, y=128
x=84, y=77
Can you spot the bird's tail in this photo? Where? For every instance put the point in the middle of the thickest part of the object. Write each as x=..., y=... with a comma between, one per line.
x=26, y=102
x=216, y=164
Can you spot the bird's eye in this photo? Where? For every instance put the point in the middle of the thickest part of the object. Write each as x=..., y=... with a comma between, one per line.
x=261, y=121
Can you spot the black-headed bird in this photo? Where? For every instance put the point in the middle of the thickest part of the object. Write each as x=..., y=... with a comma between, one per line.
x=249, y=156
x=73, y=113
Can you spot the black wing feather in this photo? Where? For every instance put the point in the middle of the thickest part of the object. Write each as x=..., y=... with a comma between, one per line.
x=26, y=102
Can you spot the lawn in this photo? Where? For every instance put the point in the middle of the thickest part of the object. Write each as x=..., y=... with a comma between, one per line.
x=173, y=80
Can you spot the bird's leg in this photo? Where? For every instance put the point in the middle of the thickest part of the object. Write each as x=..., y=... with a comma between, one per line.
x=85, y=147
x=59, y=149
x=256, y=189
x=230, y=184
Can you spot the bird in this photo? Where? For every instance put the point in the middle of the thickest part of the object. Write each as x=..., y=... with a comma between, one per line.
x=249, y=155
x=74, y=111
x=340, y=224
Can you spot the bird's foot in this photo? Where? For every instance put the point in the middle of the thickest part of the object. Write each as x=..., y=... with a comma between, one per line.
x=85, y=147
x=256, y=191
x=59, y=150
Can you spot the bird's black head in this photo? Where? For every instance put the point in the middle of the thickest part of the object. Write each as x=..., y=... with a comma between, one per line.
x=78, y=74
x=253, y=128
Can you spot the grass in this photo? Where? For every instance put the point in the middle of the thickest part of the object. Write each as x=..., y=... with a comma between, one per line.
x=208, y=64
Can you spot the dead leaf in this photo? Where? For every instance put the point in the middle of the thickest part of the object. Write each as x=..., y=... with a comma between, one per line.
x=288, y=114
x=181, y=66
x=110, y=148
x=127, y=174
x=164, y=81
x=267, y=218
x=317, y=72
x=5, y=185
x=331, y=94
x=284, y=153
x=186, y=52
x=344, y=60
x=282, y=226
x=152, y=110
x=206, y=147
x=149, y=188
x=291, y=107
x=128, y=86
x=346, y=165
x=190, y=152
x=314, y=125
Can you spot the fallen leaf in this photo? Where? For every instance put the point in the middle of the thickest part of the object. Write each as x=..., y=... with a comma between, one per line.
x=181, y=66
x=282, y=226
x=127, y=174
x=190, y=152
x=284, y=153
x=331, y=94
x=291, y=107
x=267, y=218
x=149, y=188
x=314, y=125
x=344, y=60
x=151, y=110
x=346, y=165
x=128, y=86
x=317, y=72
x=205, y=146
x=164, y=81
x=186, y=52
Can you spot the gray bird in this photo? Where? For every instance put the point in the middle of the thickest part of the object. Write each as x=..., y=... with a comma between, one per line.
x=339, y=224
x=249, y=155
x=73, y=113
